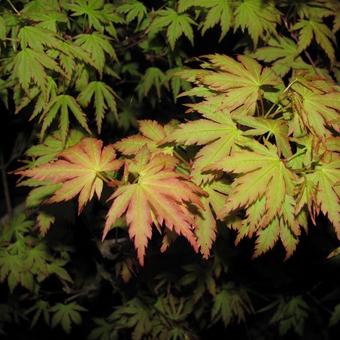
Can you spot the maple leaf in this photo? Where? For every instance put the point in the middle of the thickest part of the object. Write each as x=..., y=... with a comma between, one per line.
x=97, y=45
x=63, y=104
x=283, y=53
x=37, y=38
x=267, y=174
x=31, y=65
x=78, y=170
x=104, y=99
x=152, y=135
x=258, y=17
x=320, y=191
x=66, y=314
x=317, y=107
x=241, y=82
x=218, y=133
x=52, y=146
x=278, y=128
x=96, y=12
x=158, y=195
x=46, y=14
x=219, y=12
x=177, y=24
x=133, y=10
x=322, y=34
x=205, y=220
x=44, y=222
x=153, y=77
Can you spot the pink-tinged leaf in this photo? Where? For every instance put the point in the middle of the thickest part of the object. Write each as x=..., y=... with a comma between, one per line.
x=77, y=169
x=159, y=196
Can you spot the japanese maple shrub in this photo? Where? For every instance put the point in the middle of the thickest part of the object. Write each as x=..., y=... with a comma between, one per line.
x=268, y=160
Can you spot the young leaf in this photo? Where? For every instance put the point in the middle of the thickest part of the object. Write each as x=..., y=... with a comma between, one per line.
x=30, y=65
x=153, y=77
x=63, y=104
x=104, y=99
x=322, y=34
x=267, y=174
x=159, y=195
x=152, y=134
x=258, y=17
x=78, y=171
x=96, y=45
x=66, y=314
x=133, y=10
x=218, y=133
x=240, y=81
x=317, y=108
x=177, y=23
x=219, y=12
x=283, y=53
x=278, y=128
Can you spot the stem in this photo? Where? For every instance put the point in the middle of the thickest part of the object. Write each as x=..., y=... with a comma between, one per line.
x=13, y=7
x=283, y=92
x=261, y=105
x=5, y=185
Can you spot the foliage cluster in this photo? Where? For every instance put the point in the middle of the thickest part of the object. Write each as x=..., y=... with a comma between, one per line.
x=256, y=154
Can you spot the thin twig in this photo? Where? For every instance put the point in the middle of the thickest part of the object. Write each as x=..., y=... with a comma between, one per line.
x=5, y=185
x=13, y=7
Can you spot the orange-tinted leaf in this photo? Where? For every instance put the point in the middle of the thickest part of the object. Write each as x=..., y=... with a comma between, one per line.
x=78, y=169
x=159, y=193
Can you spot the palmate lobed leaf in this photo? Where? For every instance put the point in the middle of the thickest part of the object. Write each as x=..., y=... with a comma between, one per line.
x=78, y=171
x=217, y=133
x=317, y=107
x=152, y=135
x=240, y=82
x=104, y=99
x=158, y=196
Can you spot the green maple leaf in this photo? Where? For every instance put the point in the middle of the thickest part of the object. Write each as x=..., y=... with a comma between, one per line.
x=40, y=309
x=2, y=28
x=96, y=12
x=66, y=314
x=177, y=24
x=133, y=10
x=103, y=330
x=231, y=304
x=283, y=53
x=152, y=135
x=322, y=34
x=46, y=13
x=96, y=45
x=63, y=104
x=51, y=146
x=291, y=314
x=275, y=127
x=320, y=191
x=153, y=77
x=241, y=82
x=335, y=317
x=134, y=314
x=104, y=99
x=217, y=132
x=37, y=38
x=317, y=107
x=30, y=66
x=44, y=221
x=220, y=12
x=267, y=174
x=257, y=17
